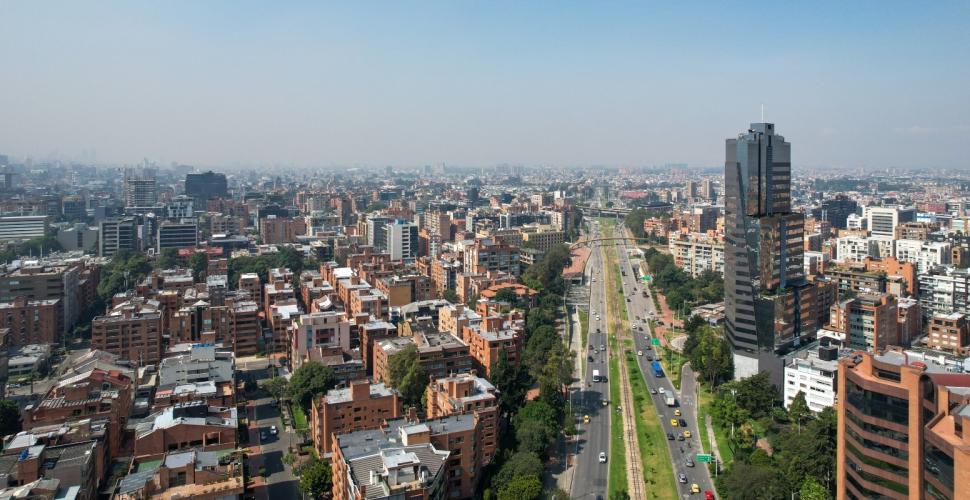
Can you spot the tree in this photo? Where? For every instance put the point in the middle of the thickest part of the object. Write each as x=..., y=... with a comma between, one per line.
x=508, y=296
x=167, y=259
x=316, y=478
x=536, y=426
x=812, y=490
x=620, y=495
x=407, y=375
x=199, y=264
x=522, y=488
x=756, y=394
x=310, y=380
x=798, y=411
x=451, y=296
x=276, y=387
x=509, y=380
x=522, y=463
x=9, y=417
x=751, y=482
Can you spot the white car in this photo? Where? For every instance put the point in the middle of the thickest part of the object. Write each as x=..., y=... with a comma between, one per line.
x=273, y=430
x=660, y=390
x=639, y=353
x=602, y=457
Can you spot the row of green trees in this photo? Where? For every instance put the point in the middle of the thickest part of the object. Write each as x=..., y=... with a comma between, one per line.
x=287, y=257
x=33, y=247
x=634, y=222
x=546, y=364
x=679, y=288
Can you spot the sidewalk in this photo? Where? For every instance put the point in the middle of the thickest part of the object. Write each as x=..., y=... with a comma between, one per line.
x=563, y=473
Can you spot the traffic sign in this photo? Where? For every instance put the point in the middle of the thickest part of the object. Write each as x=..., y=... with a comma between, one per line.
x=704, y=458
x=655, y=342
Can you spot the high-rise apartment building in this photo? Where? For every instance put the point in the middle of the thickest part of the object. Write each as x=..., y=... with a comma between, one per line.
x=402, y=240
x=140, y=189
x=903, y=428
x=768, y=302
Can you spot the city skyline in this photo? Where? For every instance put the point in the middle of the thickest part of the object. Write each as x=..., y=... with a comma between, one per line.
x=220, y=85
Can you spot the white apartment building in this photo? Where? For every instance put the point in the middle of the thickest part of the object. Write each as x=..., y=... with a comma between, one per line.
x=814, y=372
x=695, y=256
x=319, y=329
x=925, y=254
x=944, y=291
x=402, y=240
x=193, y=363
x=855, y=221
x=854, y=249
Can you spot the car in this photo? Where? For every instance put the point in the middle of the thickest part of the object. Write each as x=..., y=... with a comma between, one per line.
x=677, y=412
x=594, y=280
x=639, y=353
x=688, y=462
x=602, y=347
x=694, y=488
x=683, y=423
x=589, y=358
x=682, y=477
x=605, y=402
x=670, y=436
x=649, y=357
x=273, y=430
x=648, y=345
x=660, y=390
x=680, y=437
x=653, y=391
x=673, y=422
x=640, y=327
x=628, y=299
x=708, y=495
x=596, y=351
x=686, y=434
x=602, y=457
x=585, y=419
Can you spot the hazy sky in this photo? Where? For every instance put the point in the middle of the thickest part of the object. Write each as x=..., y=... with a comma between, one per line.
x=850, y=84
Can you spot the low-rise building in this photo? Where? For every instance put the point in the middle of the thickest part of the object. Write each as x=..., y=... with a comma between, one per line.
x=813, y=371
x=204, y=475
x=950, y=332
x=192, y=425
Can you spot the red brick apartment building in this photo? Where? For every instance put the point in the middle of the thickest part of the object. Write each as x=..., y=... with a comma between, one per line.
x=361, y=406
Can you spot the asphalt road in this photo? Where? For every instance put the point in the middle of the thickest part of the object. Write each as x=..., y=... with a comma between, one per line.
x=590, y=476
x=280, y=481
x=640, y=307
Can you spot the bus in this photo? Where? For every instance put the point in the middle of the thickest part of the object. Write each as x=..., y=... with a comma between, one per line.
x=596, y=375
x=658, y=370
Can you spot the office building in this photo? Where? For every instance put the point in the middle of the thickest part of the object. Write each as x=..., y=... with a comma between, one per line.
x=836, y=210
x=376, y=228
x=117, y=235
x=206, y=185
x=20, y=228
x=883, y=220
x=177, y=235
x=901, y=428
x=768, y=302
x=402, y=240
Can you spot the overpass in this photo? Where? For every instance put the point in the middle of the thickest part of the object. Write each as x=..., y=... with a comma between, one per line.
x=646, y=242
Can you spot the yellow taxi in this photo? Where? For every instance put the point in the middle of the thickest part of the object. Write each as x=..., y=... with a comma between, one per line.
x=585, y=419
x=673, y=422
x=694, y=488
x=686, y=434
x=677, y=412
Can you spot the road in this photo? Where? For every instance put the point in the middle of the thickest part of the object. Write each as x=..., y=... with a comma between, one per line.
x=590, y=477
x=268, y=449
x=638, y=308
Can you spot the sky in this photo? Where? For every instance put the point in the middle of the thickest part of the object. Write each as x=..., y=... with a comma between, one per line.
x=860, y=84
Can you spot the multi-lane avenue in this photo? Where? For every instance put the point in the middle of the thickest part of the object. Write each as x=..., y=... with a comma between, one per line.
x=590, y=477
x=639, y=308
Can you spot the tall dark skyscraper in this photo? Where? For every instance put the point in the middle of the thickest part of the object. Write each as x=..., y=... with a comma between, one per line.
x=205, y=185
x=768, y=303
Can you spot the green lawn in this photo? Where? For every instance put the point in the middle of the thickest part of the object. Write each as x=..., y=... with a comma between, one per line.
x=584, y=321
x=617, y=477
x=299, y=418
x=658, y=474
x=705, y=400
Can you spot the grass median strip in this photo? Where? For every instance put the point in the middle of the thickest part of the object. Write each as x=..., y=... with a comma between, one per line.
x=617, y=457
x=658, y=475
